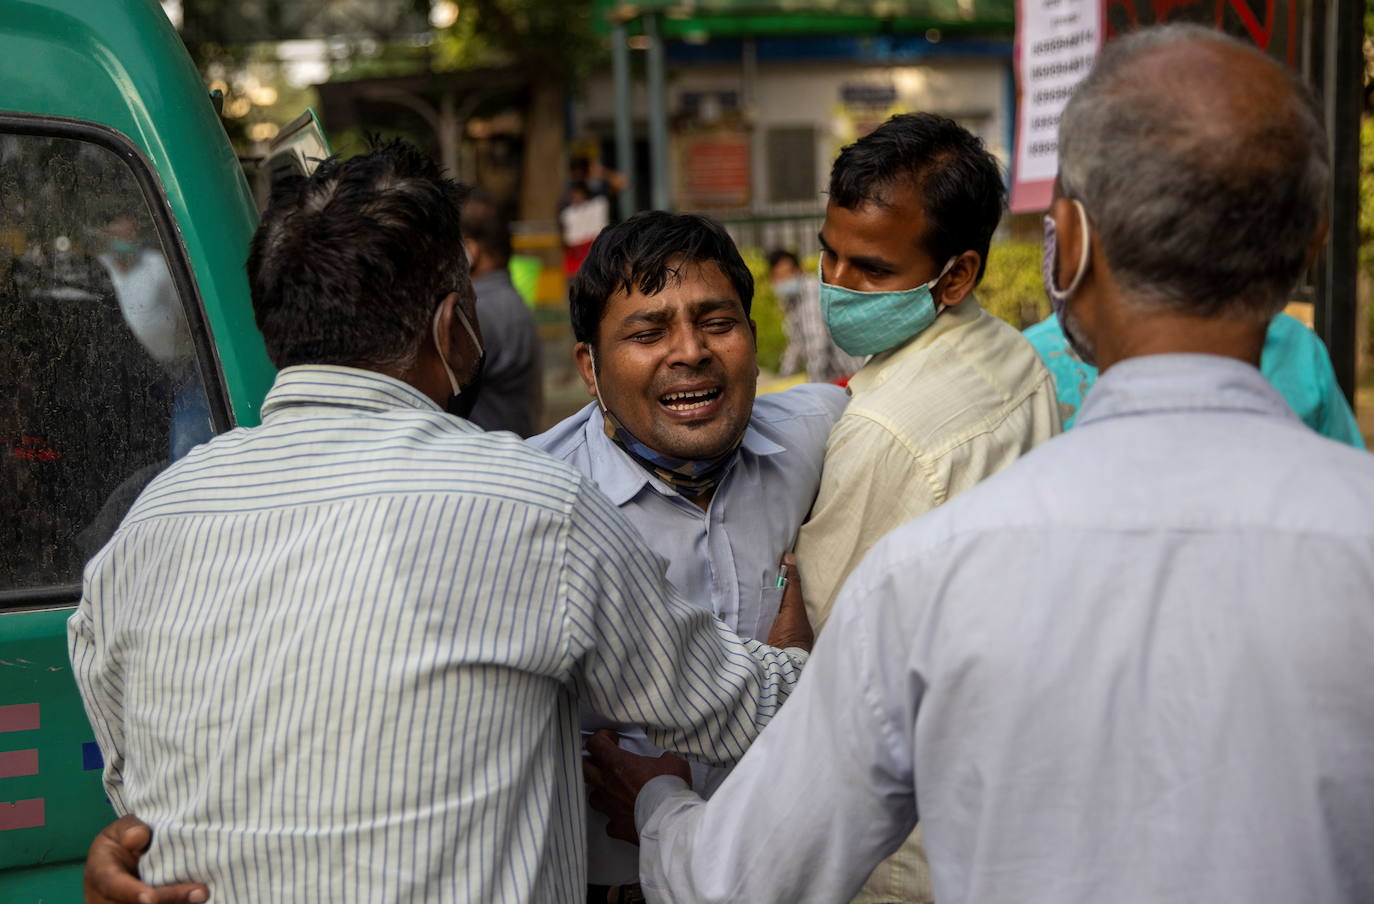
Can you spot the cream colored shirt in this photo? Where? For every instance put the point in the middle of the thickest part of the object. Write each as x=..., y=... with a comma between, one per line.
x=927, y=421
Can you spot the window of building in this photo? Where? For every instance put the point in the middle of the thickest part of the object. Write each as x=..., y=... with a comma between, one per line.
x=791, y=160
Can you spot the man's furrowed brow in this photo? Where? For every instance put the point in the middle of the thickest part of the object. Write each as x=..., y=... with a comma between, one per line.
x=708, y=305
x=654, y=316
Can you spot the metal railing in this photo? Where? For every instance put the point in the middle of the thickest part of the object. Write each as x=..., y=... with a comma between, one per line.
x=794, y=231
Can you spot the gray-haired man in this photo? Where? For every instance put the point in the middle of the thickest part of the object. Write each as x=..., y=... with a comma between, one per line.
x=1133, y=666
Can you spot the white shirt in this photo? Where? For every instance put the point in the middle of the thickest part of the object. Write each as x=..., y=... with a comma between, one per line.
x=150, y=305
x=928, y=420
x=723, y=560
x=582, y=222
x=339, y=656
x=1132, y=667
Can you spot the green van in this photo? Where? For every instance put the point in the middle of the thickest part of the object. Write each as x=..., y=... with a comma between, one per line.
x=128, y=336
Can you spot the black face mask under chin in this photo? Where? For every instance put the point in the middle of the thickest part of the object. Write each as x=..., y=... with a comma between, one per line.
x=466, y=399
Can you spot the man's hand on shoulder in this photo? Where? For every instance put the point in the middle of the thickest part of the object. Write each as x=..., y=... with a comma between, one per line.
x=615, y=778
x=791, y=628
x=111, y=875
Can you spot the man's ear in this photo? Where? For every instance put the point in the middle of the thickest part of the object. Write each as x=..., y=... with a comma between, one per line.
x=458, y=345
x=582, y=355
x=957, y=284
x=1069, y=239
x=447, y=329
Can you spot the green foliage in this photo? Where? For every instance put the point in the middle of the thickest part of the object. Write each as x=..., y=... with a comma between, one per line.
x=1013, y=288
x=550, y=40
x=766, y=311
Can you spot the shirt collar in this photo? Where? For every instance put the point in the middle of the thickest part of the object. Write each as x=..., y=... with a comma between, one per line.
x=342, y=388
x=1154, y=384
x=621, y=478
x=492, y=278
x=877, y=369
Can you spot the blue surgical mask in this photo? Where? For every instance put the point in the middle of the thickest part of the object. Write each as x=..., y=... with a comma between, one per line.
x=866, y=323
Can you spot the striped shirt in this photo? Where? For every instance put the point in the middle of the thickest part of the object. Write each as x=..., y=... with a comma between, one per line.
x=340, y=655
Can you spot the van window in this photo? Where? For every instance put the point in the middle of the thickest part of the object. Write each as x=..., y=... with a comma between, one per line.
x=100, y=386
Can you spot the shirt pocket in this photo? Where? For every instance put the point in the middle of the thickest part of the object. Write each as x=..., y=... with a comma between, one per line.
x=770, y=600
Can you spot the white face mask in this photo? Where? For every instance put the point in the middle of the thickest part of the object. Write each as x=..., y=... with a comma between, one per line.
x=790, y=287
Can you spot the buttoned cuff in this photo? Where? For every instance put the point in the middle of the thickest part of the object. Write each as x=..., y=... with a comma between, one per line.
x=653, y=795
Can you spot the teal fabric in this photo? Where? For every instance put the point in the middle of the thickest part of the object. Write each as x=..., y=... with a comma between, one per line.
x=1294, y=361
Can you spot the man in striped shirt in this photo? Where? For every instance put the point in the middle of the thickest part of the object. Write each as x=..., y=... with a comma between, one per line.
x=340, y=655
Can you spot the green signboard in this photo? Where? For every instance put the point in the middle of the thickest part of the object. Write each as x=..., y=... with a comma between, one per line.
x=705, y=19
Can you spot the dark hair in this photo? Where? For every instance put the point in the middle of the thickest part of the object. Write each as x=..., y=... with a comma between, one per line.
x=959, y=183
x=778, y=255
x=644, y=253
x=348, y=265
x=483, y=222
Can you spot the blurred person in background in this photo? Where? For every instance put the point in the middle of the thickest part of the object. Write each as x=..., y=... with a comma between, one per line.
x=810, y=350
x=1295, y=361
x=152, y=309
x=511, y=393
x=585, y=208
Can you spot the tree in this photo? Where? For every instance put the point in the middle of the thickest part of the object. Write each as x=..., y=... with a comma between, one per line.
x=552, y=44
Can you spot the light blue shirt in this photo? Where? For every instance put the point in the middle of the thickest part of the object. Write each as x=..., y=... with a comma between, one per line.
x=1132, y=667
x=724, y=559
x=1294, y=360
x=339, y=656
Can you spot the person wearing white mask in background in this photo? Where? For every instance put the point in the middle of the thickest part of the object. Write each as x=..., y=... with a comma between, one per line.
x=951, y=394
x=152, y=309
x=810, y=350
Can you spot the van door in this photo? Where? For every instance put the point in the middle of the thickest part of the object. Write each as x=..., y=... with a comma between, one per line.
x=108, y=375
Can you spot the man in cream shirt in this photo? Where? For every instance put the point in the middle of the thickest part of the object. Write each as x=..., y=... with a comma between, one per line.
x=950, y=395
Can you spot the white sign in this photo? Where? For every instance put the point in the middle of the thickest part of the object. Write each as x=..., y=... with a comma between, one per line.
x=1056, y=44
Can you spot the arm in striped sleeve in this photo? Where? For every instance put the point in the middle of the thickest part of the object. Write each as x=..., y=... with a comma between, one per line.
x=641, y=654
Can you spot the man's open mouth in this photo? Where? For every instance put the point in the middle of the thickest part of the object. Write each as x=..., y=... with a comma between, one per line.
x=690, y=400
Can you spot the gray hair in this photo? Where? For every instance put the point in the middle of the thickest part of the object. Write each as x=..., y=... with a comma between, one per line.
x=1205, y=220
